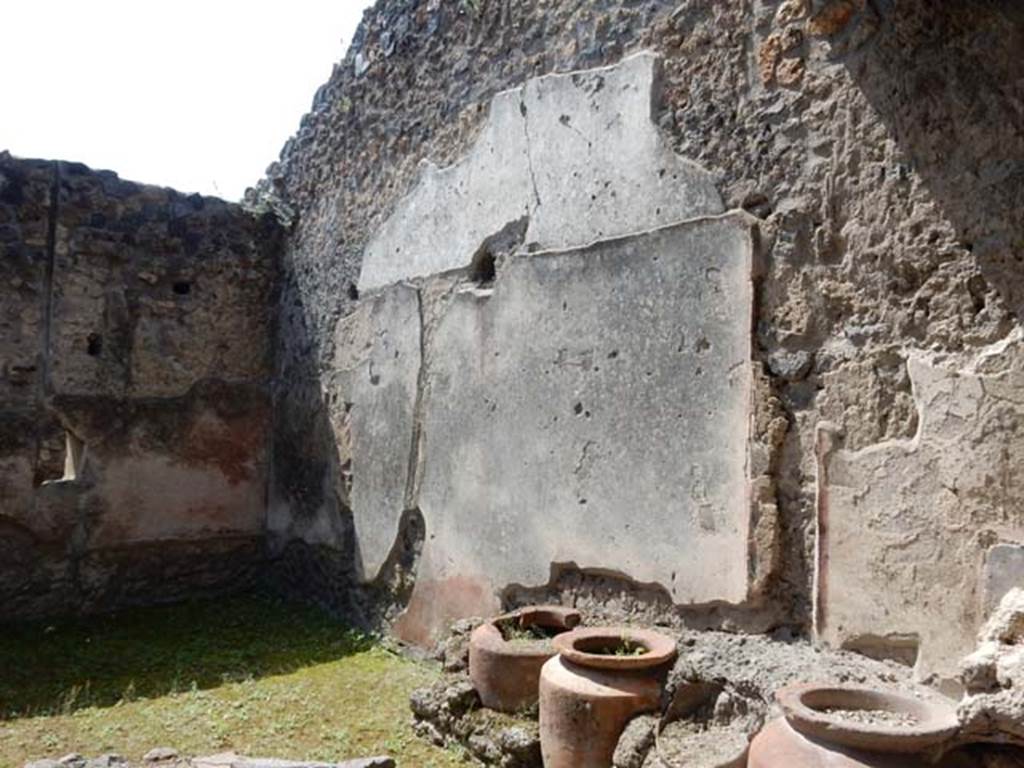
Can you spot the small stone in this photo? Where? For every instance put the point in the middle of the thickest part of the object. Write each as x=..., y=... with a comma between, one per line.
x=483, y=748
x=635, y=742
x=429, y=732
x=465, y=626
x=518, y=741
x=361, y=64
x=791, y=366
x=790, y=72
x=833, y=18
x=159, y=754
x=792, y=38
x=768, y=58
x=460, y=698
x=73, y=760
x=790, y=11
x=424, y=703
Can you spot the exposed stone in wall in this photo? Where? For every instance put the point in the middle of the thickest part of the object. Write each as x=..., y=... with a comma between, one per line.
x=905, y=526
x=134, y=397
x=878, y=141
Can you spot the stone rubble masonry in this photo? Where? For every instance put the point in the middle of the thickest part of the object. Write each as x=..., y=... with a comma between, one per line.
x=135, y=359
x=878, y=143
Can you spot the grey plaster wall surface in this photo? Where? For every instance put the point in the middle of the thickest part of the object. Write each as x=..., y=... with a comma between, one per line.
x=592, y=409
x=578, y=154
x=378, y=357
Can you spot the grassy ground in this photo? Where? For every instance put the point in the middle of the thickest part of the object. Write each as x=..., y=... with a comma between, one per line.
x=246, y=674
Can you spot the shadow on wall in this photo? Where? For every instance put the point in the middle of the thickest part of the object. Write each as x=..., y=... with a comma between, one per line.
x=311, y=531
x=948, y=80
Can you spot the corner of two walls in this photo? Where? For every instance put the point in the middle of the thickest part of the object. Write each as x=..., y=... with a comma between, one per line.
x=549, y=371
x=134, y=391
x=876, y=146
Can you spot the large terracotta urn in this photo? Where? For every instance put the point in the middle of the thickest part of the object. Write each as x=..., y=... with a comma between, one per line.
x=507, y=653
x=602, y=677
x=852, y=727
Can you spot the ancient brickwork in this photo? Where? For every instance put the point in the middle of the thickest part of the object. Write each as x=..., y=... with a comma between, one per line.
x=135, y=358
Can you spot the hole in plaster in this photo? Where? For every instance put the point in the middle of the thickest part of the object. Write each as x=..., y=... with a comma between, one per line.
x=182, y=287
x=483, y=269
x=74, y=459
x=353, y=292
x=578, y=408
x=94, y=345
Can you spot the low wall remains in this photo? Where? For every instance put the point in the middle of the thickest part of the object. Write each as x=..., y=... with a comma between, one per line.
x=135, y=358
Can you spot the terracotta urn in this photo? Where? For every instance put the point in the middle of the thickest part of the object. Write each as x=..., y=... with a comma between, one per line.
x=852, y=727
x=602, y=677
x=507, y=652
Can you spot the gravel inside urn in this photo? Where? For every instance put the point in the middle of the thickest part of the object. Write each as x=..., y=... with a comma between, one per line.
x=873, y=716
x=513, y=631
x=621, y=646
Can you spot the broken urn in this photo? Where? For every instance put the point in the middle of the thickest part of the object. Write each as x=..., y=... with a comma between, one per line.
x=602, y=677
x=507, y=653
x=852, y=727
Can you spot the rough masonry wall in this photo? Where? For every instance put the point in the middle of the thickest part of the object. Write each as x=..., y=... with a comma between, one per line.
x=878, y=141
x=134, y=363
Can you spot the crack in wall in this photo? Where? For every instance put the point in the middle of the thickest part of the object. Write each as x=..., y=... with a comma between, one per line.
x=412, y=478
x=524, y=112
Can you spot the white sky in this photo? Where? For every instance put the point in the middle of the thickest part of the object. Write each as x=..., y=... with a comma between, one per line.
x=199, y=95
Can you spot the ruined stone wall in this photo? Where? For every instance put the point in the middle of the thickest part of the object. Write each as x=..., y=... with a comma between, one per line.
x=135, y=355
x=878, y=143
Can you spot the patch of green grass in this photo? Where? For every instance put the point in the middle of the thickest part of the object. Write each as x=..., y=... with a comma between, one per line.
x=248, y=674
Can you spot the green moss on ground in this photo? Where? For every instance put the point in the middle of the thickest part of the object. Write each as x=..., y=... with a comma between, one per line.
x=248, y=674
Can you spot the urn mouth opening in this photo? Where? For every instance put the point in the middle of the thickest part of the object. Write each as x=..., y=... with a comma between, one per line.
x=616, y=647
x=868, y=718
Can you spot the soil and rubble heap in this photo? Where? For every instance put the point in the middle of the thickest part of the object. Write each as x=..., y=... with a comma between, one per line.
x=697, y=314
